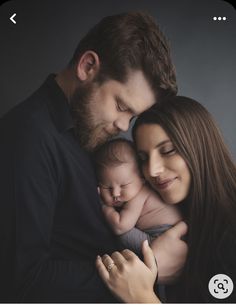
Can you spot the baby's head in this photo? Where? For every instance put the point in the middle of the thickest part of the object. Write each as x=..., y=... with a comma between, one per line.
x=117, y=172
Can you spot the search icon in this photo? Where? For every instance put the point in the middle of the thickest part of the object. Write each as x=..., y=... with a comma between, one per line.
x=220, y=286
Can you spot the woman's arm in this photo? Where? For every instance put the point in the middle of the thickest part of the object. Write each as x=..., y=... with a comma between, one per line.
x=130, y=279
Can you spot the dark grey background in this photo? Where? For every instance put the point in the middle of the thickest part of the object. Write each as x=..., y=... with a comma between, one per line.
x=47, y=32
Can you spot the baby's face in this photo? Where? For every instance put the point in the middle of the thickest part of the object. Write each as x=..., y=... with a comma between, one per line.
x=119, y=184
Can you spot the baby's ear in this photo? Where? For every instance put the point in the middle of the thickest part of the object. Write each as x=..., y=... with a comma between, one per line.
x=99, y=192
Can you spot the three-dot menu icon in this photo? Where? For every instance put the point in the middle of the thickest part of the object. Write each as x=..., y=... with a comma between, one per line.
x=219, y=18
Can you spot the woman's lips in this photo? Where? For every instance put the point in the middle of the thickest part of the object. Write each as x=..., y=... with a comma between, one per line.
x=162, y=185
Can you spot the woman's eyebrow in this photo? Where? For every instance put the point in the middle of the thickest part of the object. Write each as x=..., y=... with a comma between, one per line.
x=140, y=151
x=163, y=143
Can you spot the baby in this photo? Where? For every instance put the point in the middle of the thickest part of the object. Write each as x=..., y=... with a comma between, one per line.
x=128, y=201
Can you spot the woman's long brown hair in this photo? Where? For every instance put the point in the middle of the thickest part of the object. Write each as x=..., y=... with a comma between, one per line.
x=210, y=207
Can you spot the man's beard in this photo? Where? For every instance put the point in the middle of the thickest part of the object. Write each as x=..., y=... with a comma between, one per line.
x=89, y=131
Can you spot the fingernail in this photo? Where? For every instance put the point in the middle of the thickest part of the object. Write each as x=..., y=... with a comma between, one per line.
x=98, y=257
x=146, y=243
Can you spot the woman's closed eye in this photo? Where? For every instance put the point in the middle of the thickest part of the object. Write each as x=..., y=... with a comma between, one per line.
x=168, y=151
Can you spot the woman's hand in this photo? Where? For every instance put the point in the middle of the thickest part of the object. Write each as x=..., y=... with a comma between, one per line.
x=128, y=277
x=171, y=252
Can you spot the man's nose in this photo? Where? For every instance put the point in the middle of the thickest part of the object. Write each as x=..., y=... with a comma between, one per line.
x=122, y=123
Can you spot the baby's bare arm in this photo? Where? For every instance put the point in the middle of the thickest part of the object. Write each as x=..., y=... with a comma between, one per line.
x=126, y=219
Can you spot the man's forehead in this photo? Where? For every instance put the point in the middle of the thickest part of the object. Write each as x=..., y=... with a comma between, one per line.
x=139, y=94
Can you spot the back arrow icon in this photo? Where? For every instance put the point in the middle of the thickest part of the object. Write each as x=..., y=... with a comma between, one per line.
x=12, y=18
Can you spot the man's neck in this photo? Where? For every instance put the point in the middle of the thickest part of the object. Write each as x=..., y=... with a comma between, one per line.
x=67, y=82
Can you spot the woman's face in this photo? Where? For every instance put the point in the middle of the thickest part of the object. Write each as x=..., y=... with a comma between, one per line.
x=162, y=166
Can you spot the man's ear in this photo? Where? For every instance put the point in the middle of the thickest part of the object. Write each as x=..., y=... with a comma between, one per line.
x=88, y=66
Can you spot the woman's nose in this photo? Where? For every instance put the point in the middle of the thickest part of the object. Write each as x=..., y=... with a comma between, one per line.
x=155, y=166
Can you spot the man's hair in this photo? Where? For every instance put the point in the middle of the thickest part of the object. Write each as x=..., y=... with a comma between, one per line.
x=130, y=41
x=114, y=153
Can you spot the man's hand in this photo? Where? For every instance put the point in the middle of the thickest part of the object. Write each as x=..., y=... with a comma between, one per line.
x=170, y=252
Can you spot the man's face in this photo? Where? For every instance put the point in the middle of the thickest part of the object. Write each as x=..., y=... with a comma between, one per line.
x=102, y=111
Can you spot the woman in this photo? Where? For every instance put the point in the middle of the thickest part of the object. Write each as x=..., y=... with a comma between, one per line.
x=185, y=160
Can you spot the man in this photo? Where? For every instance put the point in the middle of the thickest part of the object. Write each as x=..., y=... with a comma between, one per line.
x=52, y=225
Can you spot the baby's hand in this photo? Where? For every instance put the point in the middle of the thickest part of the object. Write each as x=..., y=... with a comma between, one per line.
x=113, y=218
x=108, y=211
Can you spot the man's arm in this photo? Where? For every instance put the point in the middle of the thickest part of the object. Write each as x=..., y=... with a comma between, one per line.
x=30, y=193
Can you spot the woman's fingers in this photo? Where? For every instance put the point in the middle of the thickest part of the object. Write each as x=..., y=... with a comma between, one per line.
x=118, y=259
x=106, y=264
x=129, y=278
x=179, y=230
x=107, y=260
x=128, y=254
x=102, y=270
x=149, y=258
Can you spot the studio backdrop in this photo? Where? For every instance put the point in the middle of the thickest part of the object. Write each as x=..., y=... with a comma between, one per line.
x=46, y=32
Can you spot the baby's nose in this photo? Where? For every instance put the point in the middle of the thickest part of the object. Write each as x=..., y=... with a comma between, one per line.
x=116, y=192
